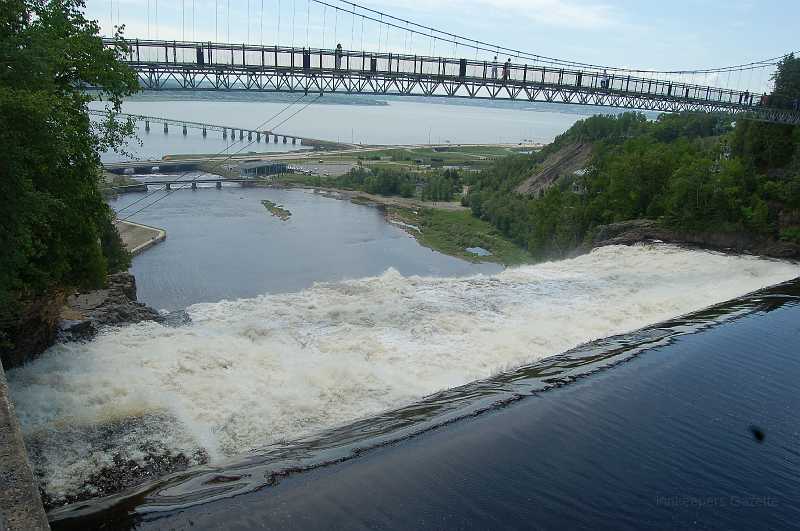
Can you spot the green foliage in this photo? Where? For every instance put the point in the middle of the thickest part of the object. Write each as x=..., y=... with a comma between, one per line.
x=787, y=82
x=55, y=228
x=689, y=171
x=382, y=181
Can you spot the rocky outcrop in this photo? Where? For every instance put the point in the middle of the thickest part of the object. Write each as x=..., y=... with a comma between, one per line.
x=85, y=313
x=644, y=230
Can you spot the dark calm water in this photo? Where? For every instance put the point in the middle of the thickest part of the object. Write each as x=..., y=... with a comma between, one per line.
x=223, y=244
x=648, y=430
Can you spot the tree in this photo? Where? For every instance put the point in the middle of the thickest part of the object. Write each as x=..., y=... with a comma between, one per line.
x=787, y=82
x=55, y=228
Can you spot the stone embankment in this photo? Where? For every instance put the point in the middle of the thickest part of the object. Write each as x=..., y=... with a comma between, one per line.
x=138, y=237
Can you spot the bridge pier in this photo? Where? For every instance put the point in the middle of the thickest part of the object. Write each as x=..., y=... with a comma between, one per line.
x=219, y=185
x=194, y=185
x=224, y=134
x=204, y=132
x=184, y=130
x=249, y=135
x=241, y=134
x=276, y=139
x=166, y=128
x=258, y=137
x=147, y=126
x=294, y=140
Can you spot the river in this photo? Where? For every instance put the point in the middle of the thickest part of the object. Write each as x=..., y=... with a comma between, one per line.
x=313, y=338
x=223, y=244
x=352, y=119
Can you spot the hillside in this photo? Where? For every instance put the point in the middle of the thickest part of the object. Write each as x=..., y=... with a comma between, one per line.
x=565, y=161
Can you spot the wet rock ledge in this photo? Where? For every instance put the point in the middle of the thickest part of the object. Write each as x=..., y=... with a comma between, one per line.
x=84, y=314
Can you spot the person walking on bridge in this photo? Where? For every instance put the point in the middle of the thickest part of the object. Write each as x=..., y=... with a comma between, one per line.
x=494, y=68
x=506, y=69
x=338, y=56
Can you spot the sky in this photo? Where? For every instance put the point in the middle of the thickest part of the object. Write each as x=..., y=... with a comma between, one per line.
x=680, y=34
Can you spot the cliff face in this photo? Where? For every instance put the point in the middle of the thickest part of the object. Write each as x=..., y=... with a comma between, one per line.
x=35, y=330
x=564, y=162
x=72, y=317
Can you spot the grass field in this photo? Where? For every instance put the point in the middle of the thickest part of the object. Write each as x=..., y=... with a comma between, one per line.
x=452, y=232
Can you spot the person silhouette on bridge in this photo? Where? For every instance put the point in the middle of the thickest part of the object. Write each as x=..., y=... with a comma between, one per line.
x=506, y=69
x=338, y=55
x=494, y=68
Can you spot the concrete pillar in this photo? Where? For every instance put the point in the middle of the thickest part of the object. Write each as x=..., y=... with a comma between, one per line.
x=241, y=134
x=147, y=126
x=249, y=135
x=276, y=139
x=194, y=185
x=224, y=133
x=284, y=140
x=258, y=137
x=184, y=129
x=219, y=185
x=294, y=141
x=204, y=132
x=166, y=128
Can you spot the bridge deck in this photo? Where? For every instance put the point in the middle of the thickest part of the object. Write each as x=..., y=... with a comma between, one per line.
x=214, y=66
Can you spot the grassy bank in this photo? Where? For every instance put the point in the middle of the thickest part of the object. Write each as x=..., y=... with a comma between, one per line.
x=452, y=232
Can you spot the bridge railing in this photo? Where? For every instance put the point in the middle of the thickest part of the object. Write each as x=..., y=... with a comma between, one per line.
x=222, y=58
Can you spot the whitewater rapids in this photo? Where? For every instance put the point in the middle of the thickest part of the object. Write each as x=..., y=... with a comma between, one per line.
x=251, y=372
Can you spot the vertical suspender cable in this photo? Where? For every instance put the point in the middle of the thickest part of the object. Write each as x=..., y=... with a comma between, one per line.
x=308, y=19
x=353, y=27
x=148, y=19
x=216, y=20
x=194, y=29
x=278, y=36
x=248, y=21
x=324, y=15
x=228, y=20
x=294, y=12
x=261, y=25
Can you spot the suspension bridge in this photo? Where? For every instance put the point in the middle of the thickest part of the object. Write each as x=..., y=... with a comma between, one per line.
x=396, y=64
x=179, y=65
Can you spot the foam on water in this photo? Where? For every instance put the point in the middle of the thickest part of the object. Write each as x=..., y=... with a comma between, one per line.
x=251, y=372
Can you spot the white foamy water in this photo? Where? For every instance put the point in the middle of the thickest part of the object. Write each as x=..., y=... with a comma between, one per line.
x=250, y=372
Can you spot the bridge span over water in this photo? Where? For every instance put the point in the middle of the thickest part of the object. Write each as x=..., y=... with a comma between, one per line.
x=198, y=66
